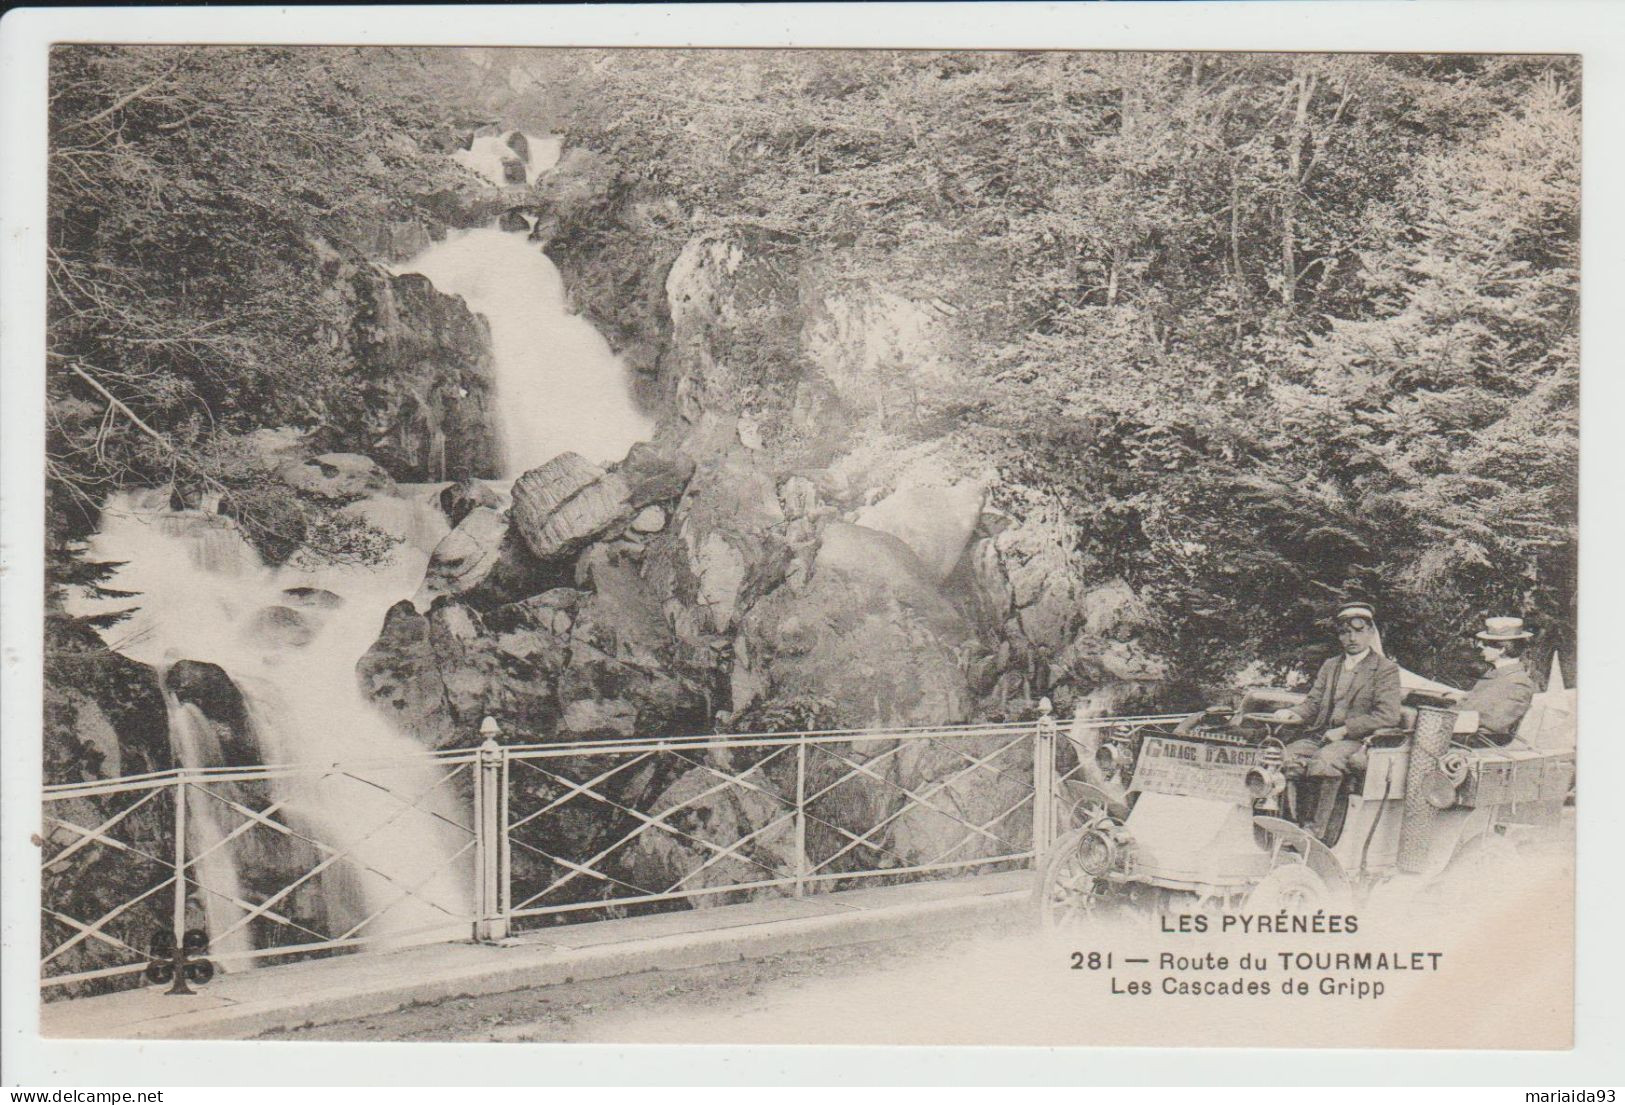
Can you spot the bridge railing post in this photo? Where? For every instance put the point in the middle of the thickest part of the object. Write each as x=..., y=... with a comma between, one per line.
x=490, y=831
x=1043, y=782
x=180, y=854
x=801, y=814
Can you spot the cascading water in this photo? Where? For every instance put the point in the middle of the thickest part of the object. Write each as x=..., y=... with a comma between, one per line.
x=490, y=155
x=214, y=863
x=289, y=638
x=558, y=386
x=395, y=866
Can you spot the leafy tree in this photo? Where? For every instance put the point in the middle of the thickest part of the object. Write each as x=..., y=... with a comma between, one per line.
x=190, y=190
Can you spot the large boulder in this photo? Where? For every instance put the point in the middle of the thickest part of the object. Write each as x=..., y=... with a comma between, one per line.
x=726, y=544
x=566, y=504
x=654, y=473
x=438, y=674
x=457, y=499
x=225, y=737
x=562, y=662
x=625, y=674
x=343, y=476
x=209, y=688
x=278, y=627
x=934, y=521
x=867, y=636
x=483, y=561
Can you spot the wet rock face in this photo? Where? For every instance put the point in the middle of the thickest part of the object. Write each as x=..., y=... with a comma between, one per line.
x=90, y=692
x=561, y=663
x=341, y=476
x=654, y=473
x=465, y=495
x=483, y=561
x=209, y=688
x=427, y=360
x=315, y=598
x=280, y=627
x=568, y=503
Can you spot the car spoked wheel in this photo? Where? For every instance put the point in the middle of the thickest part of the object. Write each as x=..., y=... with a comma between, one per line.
x=1069, y=892
x=1289, y=888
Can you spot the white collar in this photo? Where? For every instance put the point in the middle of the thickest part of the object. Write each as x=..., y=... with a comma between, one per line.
x=1505, y=662
x=1352, y=662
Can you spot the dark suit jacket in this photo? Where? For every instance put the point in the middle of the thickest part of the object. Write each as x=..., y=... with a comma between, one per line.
x=1372, y=691
x=1501, y=696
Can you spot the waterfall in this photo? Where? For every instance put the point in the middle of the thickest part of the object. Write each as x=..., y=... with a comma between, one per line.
x=289, y=637
x=558, y=386
x=213, y=876
x=491, y=155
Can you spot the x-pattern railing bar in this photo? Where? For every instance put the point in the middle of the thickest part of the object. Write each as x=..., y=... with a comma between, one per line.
x=570, y=865
x=648, y=822
x=88, y=931
x=96, y=928
x=258, y=911
x=807, y=802
x=917, y=800
x=86, y=836
x=864, y=755
x=815, y=819
x=572, y=789
x=1025, y=779
x=884, y=754
x=413, y=805
x=740, y=779
x=628, y=745
x=248, y=823
x=254, y=772
x=334, y=855
x=92, y=836
x=656, y=821
x=746, y=839
x=412, y=892
x=264, y=816
x=967, y=837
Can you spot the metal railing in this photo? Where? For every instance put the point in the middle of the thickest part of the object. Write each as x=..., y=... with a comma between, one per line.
x=525, y=835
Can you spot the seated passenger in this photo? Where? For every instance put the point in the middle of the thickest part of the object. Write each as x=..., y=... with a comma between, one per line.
x=1353, y=695
x=1502, y=694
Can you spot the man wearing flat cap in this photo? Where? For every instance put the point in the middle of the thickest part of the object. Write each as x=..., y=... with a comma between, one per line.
x=1502, y=694
x=1354, y=694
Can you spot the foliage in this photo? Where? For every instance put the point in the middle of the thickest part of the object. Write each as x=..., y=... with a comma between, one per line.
x=1270, y=328
x=1273, y=328
x=190, y=189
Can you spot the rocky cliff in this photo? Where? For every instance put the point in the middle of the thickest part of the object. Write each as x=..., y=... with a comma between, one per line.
x=795, y=548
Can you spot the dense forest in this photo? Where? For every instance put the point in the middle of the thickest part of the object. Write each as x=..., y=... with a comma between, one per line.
x=1255, y=331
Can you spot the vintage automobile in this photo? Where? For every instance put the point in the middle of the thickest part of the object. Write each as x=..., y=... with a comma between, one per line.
x=1198, y=816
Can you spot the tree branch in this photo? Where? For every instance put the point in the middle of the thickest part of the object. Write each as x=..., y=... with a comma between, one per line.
x=127, y=98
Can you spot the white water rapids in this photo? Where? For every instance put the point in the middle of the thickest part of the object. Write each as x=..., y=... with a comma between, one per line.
x=558, y=386
x=289, y=638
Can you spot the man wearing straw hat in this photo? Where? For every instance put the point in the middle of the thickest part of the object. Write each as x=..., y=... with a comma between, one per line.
x=1502, y=694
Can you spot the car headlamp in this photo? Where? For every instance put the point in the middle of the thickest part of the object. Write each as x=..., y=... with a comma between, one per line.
x=1109, y=758
x=1097, y=852
x=1439, y=790
x=1264, y=782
